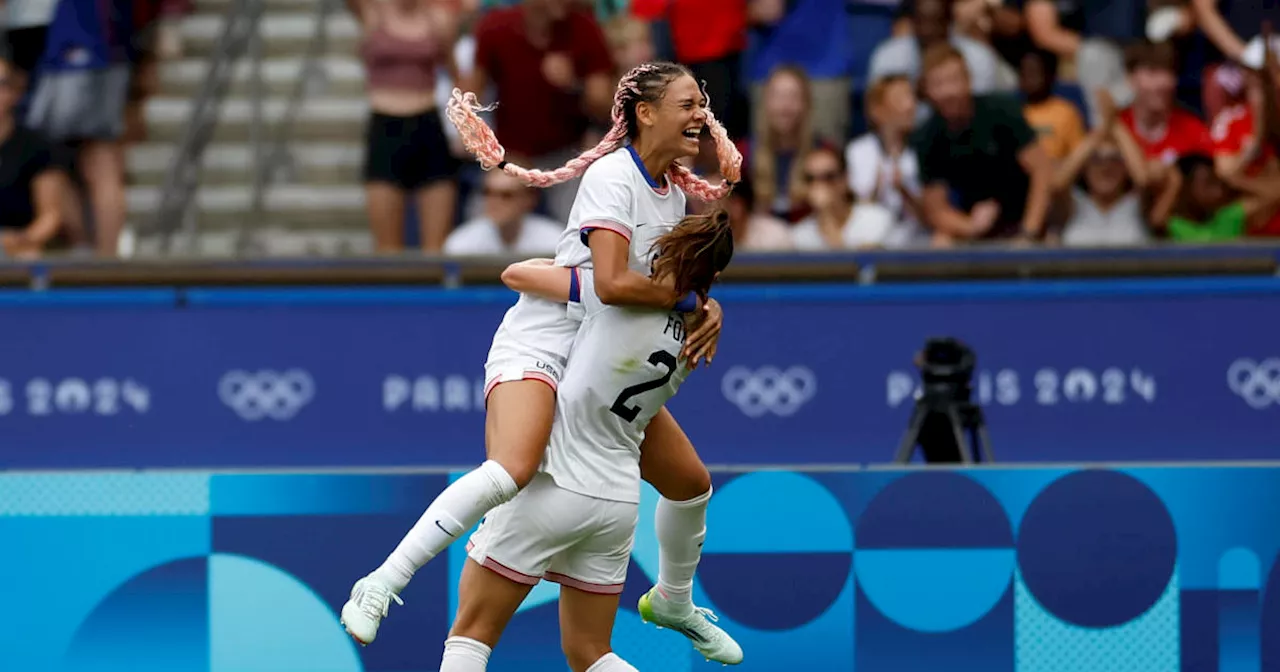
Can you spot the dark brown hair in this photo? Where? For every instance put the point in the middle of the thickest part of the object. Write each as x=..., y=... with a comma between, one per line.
x=1151, y=56
x=693, y=252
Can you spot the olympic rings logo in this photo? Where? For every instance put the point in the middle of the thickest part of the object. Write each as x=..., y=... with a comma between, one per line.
x=1258, y=383
x=266, y=394
x=769, y=389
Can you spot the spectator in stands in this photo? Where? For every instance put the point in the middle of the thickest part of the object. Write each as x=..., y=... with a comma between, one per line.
x=1244, y=141
x=1208, y=209
x=508, y=225
x=709, y=36
x=32, y=186
x=1229, y=25
x=836, y=221
x=552, y=72
x=882, y=166
x=997, y=23
x=1094, y=34
x=1163, y=130
x=630, y=42
x=784, y=132
x=931, y=26
x=980, y=151
x=79, y=101
x=977, y=20
x=26, y=27
x=406, y=150
x=1105, y=177
x=752, y=231
x=812, y=35
x=1055, y=120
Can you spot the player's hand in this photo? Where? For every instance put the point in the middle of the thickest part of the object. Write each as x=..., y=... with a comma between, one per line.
x=705, y=335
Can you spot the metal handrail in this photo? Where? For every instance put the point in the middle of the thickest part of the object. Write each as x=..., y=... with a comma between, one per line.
x=272, y=158
x=177, y=207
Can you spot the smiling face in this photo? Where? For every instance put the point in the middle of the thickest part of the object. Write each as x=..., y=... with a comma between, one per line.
x=673, y=123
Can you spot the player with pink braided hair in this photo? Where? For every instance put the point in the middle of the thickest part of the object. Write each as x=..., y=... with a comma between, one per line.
x=637, y=85
x=632, y=193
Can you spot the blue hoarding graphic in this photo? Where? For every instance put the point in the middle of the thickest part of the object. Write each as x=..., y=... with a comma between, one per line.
x=1153, y=569
x=1068, y=372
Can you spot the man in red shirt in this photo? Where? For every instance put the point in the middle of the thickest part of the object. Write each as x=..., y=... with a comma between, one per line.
x=709, y=36
x=550, y=66
x=1163, y=130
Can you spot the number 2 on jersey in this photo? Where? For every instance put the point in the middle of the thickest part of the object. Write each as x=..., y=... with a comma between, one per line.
x=657, y=358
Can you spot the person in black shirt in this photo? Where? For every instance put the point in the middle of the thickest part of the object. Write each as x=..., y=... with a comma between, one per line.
x=978, y=152
x=31, y=183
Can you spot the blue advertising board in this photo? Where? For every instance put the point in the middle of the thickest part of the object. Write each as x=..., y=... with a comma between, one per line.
x=1151, y=569
x=1067, y=371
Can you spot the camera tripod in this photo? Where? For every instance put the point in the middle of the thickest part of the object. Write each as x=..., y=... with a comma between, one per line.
x=947, y=429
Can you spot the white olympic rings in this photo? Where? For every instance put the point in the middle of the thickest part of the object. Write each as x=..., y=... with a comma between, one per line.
x=266, y=394
x=769, y=389
x=1258, y=383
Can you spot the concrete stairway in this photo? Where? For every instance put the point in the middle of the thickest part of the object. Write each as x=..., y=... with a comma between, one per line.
x=319, y=207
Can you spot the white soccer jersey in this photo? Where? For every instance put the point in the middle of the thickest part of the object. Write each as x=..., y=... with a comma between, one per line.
x=618, y=194
x=625, y=365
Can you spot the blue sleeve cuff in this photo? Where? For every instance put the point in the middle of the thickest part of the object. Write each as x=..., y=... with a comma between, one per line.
x=688, y=304
x=575, y=286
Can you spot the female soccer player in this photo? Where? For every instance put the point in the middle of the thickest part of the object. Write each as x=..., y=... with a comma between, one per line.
x=575, y=523
x=632, y=191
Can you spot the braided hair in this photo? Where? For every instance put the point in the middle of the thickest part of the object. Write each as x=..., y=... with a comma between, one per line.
x=645, y=83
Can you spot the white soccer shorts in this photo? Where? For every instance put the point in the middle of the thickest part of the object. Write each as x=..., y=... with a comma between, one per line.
x=550, y=533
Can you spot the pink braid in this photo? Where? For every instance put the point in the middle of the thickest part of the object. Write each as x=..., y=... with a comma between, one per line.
x=479, y=139
x=730, y=167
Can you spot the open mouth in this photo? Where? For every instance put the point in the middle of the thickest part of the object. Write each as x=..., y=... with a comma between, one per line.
x=692, y=133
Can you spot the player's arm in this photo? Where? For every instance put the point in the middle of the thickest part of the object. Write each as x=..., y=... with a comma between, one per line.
x=615, y=283
x=539, y=277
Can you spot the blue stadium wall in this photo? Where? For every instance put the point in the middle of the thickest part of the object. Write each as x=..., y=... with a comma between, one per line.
x=1151, y=569
x=1081, y=371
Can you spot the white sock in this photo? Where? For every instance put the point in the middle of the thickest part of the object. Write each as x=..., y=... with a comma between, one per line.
x=455, y=511
x=610, y=662
x=464, y=655
x=681, y=527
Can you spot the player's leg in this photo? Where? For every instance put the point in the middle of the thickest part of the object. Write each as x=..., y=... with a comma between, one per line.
x=669, y=462
x=586, y=628
x=517, y=426
x=592, y=573
x=486, y=603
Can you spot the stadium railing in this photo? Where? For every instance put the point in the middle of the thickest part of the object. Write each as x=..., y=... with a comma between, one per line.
x=860, y=267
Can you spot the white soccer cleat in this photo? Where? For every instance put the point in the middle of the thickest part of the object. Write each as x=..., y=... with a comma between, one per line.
x=363, y=613
x=696, y=623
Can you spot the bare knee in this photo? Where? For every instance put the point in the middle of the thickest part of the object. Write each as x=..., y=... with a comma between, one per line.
x=581, y=653
x=521, y=469
x=693, y=480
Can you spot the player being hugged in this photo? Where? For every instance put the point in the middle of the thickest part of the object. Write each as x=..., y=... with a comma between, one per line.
x=632, y=192
x=575, y=522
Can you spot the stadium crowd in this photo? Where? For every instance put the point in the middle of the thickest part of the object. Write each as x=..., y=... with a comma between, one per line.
x=867, y=124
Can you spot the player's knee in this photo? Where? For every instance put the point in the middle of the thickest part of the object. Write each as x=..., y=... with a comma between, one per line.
x=582, y=652
x=688, y=484
x=470, y=624
x=521, y=470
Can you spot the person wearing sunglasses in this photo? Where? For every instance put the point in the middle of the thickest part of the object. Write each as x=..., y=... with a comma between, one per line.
x=835, y=222
x=31, y=181
x=508, y=224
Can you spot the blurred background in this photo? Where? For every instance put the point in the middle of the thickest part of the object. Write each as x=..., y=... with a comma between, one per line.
x=248, y=279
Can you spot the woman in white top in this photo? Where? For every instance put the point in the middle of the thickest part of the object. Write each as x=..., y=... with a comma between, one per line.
x=632, y=191
x=1105, y=180
x=836, y=222
x=882, y=166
